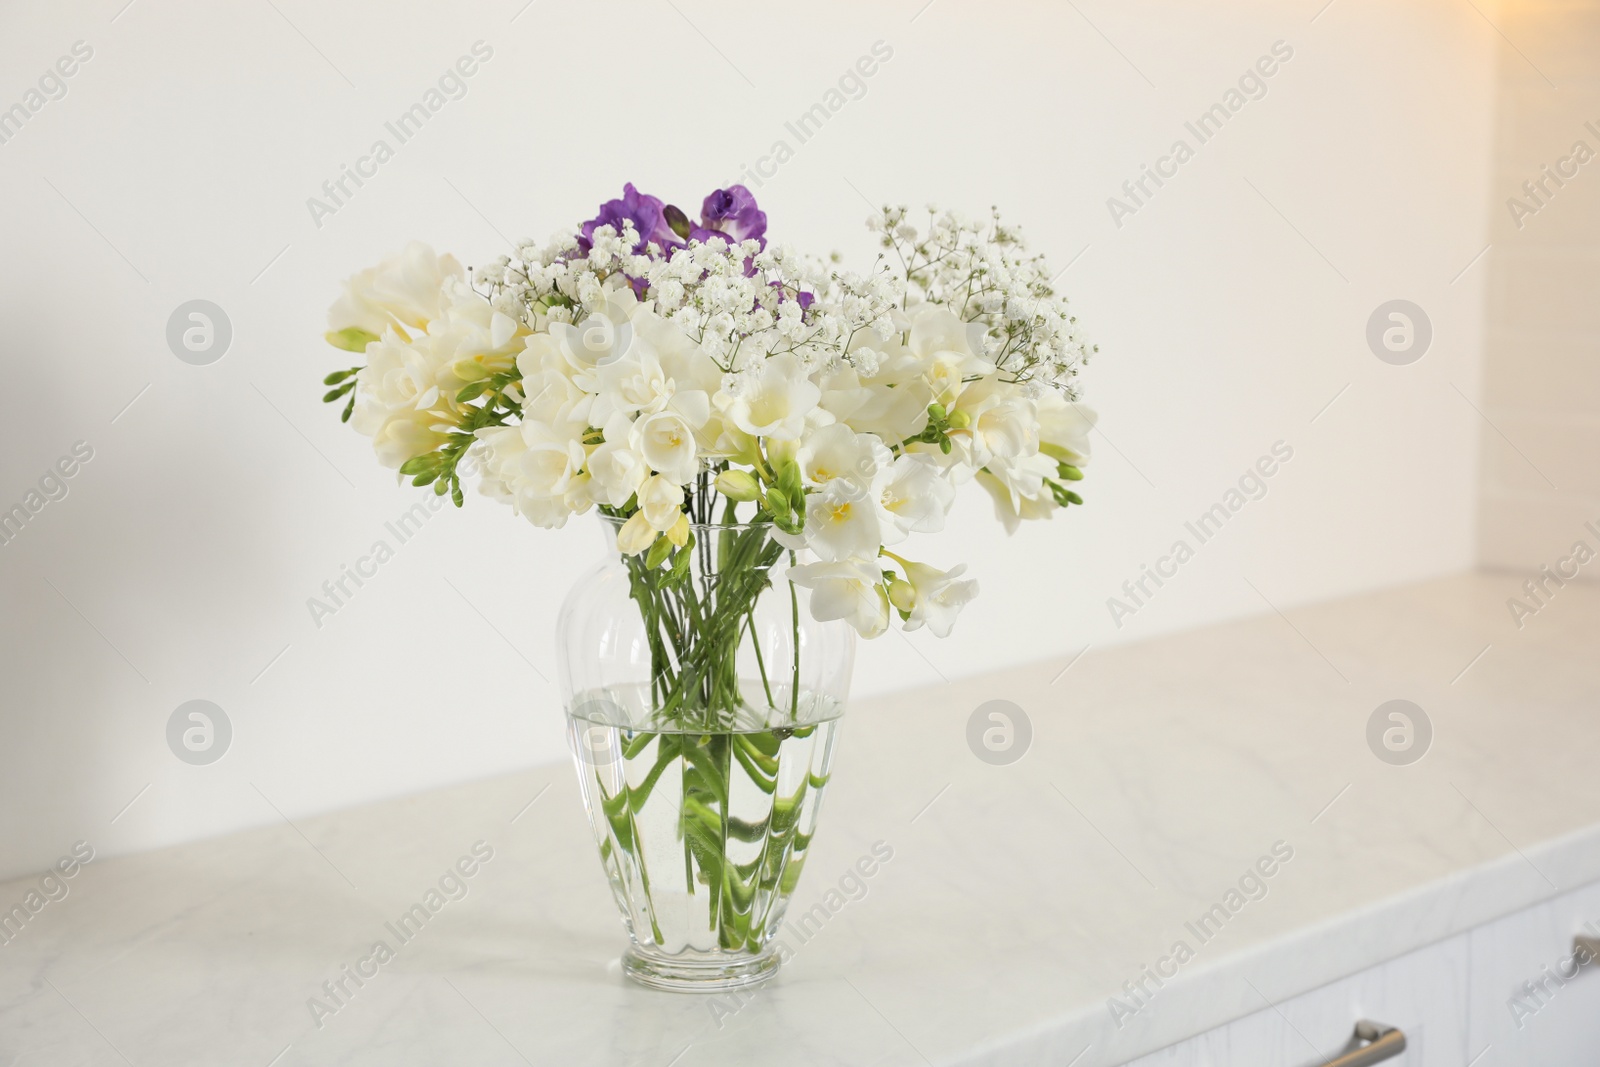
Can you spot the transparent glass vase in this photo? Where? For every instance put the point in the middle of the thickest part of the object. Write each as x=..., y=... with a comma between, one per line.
x=703, y=703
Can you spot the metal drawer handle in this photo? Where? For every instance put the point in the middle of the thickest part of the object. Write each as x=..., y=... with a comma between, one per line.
x=1384, y=1042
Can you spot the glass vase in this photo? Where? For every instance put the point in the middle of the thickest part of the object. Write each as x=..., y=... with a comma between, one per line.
x=703, y=703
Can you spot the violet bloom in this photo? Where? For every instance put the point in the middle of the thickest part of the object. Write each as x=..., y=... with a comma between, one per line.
x=646, y=213
x=803, y=298
x=732, y=214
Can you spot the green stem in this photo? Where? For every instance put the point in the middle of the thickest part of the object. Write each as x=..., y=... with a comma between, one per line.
x=794, y=612
x=755, y=642
x=696, y=617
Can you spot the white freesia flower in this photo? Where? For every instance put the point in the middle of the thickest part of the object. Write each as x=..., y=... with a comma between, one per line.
x=405, y=292
x=666, y=441
x=773, y=399
x=475, y=338
x=640, y=384
x=636, y=535
x=997, y=422
x=950, y=350
x=837, y=451
x=913, y=496
x=939, y=596
x=894, y=411
x=550, y=394
x=1018, y=488
x=661, y=502
x=884, y=393
x=615, y=469
x=601, y=338
x=851, y=590
x=685, y=362
x=842, y=522
x=400, y=374
x=402, y=434
x=539, y=470
x=1064, y=427
x=593, y=343
x=398, y=400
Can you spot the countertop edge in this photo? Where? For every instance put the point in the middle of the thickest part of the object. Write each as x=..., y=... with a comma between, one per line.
x=1257, y=978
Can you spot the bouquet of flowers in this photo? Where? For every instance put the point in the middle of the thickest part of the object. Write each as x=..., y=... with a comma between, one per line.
x=665, y=370
x=723, y=403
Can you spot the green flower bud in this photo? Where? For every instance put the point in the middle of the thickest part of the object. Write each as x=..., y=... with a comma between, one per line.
x=738, y=485
x=470, y=370
x=676, y=219
x=351, y=339
x=1060, y=453
x=960, y=420
x=658, y=553
x=789, y=481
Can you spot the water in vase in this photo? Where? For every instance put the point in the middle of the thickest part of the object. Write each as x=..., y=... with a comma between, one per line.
x=703, y=833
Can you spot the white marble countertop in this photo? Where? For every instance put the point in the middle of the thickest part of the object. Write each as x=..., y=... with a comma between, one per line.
x=1018, y=899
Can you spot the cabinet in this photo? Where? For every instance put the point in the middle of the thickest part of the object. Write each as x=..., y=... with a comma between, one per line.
x=1523, y=1008
x=1505, y=994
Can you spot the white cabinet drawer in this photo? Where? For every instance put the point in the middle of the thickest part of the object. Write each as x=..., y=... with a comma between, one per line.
x=1424, y=993
x=1505, y=994
x=1530, y=1007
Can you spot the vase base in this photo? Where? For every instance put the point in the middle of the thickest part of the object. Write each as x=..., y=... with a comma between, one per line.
x=708, y=974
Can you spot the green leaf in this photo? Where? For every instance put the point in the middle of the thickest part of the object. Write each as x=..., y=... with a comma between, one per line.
x=706, y=845
x=680, y=562
x=766, y=742
x=666, y=754
x=658, y=553
x=351, y=338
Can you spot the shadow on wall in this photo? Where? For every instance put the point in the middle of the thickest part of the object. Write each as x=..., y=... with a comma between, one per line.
x=131, y=590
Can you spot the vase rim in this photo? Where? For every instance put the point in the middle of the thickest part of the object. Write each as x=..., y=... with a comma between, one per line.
x=615, y=522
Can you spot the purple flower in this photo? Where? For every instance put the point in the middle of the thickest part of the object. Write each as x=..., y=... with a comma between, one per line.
x=803, y=298
x=645, y=211
x=732, y=213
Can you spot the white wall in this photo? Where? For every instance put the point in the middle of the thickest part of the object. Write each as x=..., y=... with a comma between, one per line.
x=178, y=167
x=1541, y=437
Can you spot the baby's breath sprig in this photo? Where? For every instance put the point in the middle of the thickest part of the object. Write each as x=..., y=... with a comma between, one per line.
x=982, y=269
